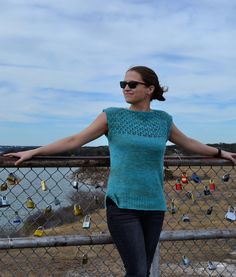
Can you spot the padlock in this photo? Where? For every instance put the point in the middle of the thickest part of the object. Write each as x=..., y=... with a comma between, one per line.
x=57, y=201
x=173, y=207
x=75, y=185
x=4, y=202
x=211, y=266
x=43, y=185
x=96, y=199
x=212, y=184
x=185, y=218
x=196, y=178
x=226, y=177
x=189, y=194
x=39, y=232
x=209, y=210
x=178, y=185
x=85, y=259
x=77, y=210
x=12, y=179
x=230, y=215
x=207, y=191
x=184, y=178
x=48, y=209
x=86, y=222
x=193, y=197
x=186, y=261
x=17, y=219
x=30, y=203
x=3, y=187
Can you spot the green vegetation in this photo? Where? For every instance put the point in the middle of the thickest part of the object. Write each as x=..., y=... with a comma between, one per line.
x=104, y=150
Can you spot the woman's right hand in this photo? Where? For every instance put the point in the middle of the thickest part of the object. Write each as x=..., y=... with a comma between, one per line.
x=22, y=155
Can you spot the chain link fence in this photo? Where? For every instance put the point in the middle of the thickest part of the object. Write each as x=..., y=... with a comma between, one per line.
x=52, y=202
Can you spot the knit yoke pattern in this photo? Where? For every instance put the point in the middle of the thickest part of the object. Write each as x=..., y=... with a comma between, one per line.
x=137, y=143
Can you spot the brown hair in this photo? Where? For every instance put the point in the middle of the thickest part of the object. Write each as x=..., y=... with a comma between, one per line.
x=150, y=78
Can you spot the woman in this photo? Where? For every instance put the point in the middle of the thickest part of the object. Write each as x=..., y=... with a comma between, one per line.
x=137, y=139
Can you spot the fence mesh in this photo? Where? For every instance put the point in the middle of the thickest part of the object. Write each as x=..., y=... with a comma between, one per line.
x=52, y=201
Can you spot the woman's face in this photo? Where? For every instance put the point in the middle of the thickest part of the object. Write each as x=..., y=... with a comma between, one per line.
x=140, y=94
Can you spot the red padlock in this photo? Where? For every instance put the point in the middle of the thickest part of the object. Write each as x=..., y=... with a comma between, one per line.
x=178, y=185
x=212, y=184
x=184, y=178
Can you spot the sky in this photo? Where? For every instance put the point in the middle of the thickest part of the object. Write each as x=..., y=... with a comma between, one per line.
x=61, y=63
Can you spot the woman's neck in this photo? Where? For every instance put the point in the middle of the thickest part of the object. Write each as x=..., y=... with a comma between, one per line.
x=143, y=108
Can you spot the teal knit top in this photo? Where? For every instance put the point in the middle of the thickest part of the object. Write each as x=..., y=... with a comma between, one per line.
x=137, y=142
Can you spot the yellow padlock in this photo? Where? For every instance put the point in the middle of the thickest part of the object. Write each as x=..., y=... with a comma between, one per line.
x=43, y=185
x=12, y=179
x=39, y=232
x=30, y=203
x=3, y=187
x=77, y=210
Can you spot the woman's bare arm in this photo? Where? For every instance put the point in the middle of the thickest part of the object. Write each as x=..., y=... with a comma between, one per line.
x=177, y=137
x=96, y=129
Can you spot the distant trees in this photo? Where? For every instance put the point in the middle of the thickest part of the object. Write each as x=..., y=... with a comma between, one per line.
x=104, y=150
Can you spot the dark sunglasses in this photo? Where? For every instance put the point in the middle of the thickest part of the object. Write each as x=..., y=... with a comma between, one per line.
x=131, y=84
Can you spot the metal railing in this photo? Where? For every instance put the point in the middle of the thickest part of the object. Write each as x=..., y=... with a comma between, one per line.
x=197, y=238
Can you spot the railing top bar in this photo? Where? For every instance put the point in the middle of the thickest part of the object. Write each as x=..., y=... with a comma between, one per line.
x=75, y=240
x=58, y=161
x=100, y=161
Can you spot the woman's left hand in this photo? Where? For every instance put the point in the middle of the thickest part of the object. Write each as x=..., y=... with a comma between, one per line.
x=229, y=156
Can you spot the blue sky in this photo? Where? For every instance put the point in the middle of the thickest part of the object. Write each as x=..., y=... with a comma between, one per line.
x=61, y=63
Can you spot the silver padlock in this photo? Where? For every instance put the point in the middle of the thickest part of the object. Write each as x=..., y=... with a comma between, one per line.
x=86, y=222
x=75, y=185
x=17, y=219
x=211, y=266
x=185, y=218
x=230, y=215
x=4, y=201
x=186, y=261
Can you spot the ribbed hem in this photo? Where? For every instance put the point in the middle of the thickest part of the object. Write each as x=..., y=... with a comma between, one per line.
x=138, y=203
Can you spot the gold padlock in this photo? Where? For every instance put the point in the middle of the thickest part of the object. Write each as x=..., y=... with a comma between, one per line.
x=30, y=203
x=3, y=187
x=12, y=179
x=43, y=185
x=77, y=210
x=39, y=232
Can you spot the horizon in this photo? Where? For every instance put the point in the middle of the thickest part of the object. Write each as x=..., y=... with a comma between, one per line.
x=217, y=143
x=61, y=63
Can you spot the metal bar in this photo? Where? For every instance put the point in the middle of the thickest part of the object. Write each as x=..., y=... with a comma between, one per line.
x=155, y=272
x=197, y=235
x=75, y=240
x=53, y=241
x=58, y=161
x=100, y=161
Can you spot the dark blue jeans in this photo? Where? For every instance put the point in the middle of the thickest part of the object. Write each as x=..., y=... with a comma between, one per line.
x=135, y=234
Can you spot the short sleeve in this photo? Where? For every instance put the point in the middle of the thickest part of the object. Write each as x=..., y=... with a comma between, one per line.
x=111, y=118
x=169, y=124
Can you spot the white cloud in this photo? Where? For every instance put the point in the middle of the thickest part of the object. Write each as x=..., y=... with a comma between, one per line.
x=86, y=46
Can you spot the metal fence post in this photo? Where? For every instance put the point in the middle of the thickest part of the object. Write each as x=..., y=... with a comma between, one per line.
x=154, y=272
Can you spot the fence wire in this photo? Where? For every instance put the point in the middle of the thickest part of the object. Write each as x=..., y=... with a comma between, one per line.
x=58, y=198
